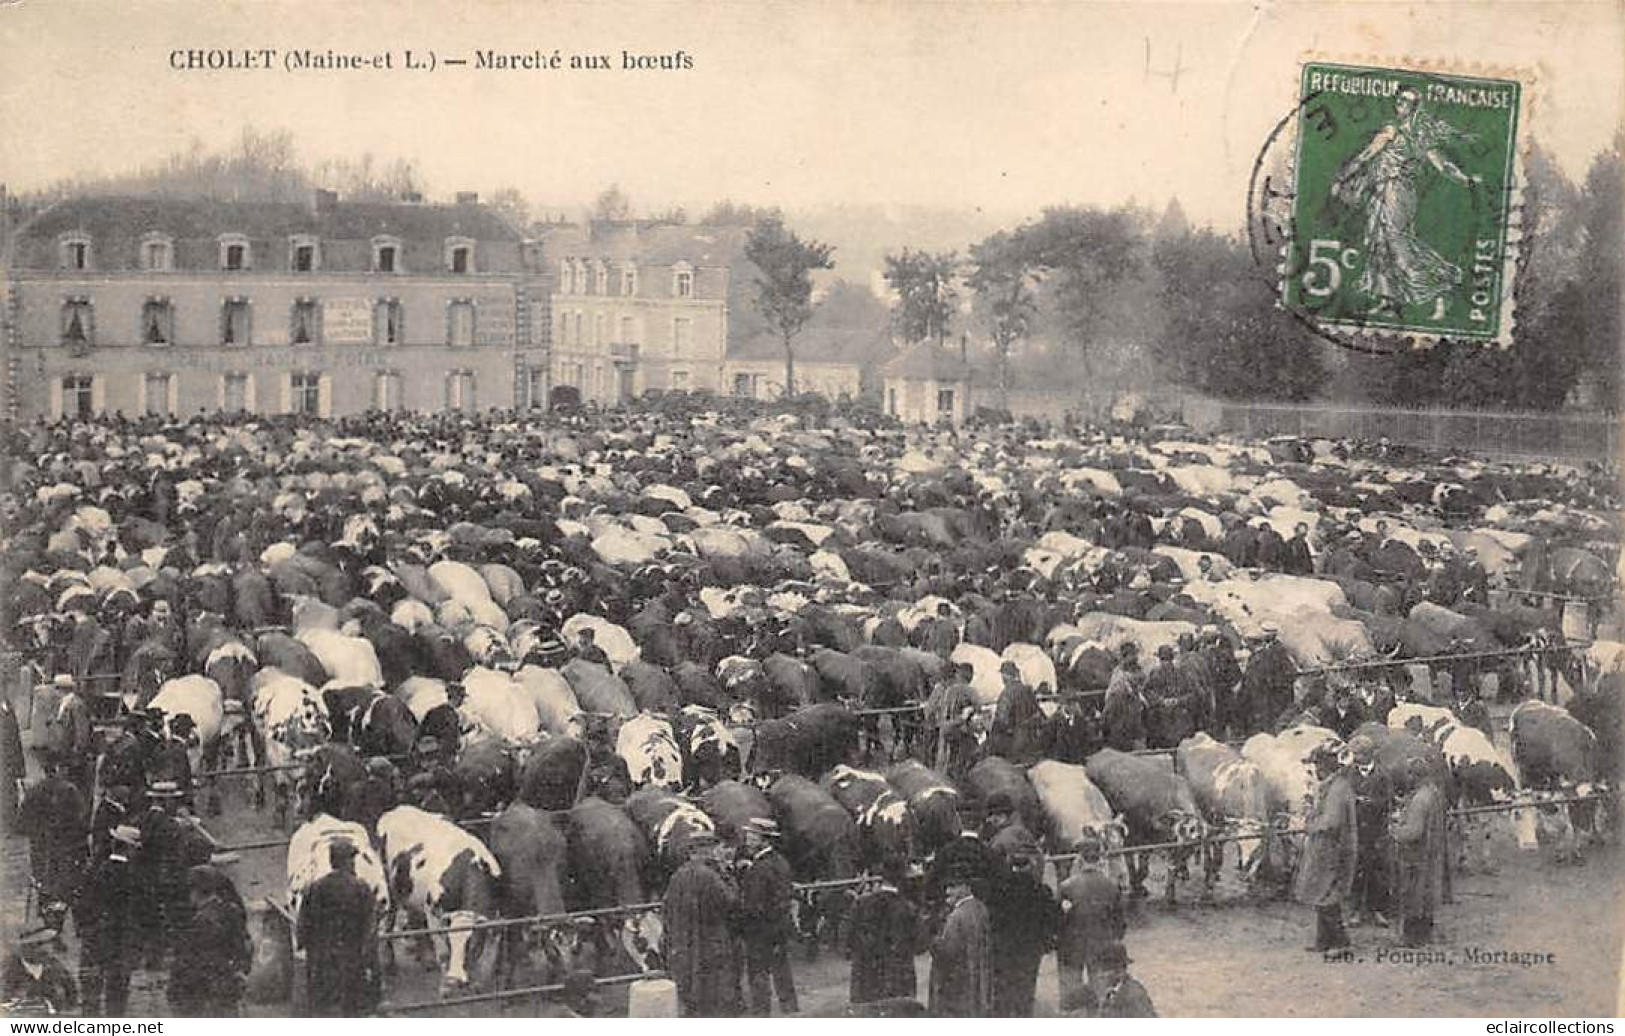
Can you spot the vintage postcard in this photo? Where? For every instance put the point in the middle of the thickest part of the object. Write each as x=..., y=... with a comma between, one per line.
x=866, y=509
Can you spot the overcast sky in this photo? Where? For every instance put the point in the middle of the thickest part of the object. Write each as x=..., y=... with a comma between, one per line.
x=1005, y=106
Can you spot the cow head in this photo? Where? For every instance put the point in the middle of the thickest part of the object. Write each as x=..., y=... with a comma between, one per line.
x=642, y=936
x=1183, y=826
x=1251, y=845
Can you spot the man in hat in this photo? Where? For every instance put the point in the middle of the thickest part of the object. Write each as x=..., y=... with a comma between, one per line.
x=883, y=935
x=1168, y=698
x=700, y=911
x=1419, y=837
x=1331, y=850
x=69, y=734
x=1017, y=724
x=961, y=956
x=337, y=929
x=53, y=819
x=1475, y=581
x=13, y=766
x=1297, y=560
x=947, y=712
x=160, y=864
x=214, y=953
x=765, y=893
x=1024, y=919
x=1092, y=915
x=1373, y=801
x=587, y=648
x=1123, y=713
x=1345, y=710
x=1117, y=993
x=377, y=794
x=108, y=918
x=32, y=974
x=1266, y=683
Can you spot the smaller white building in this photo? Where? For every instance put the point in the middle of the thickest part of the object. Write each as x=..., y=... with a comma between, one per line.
x=927, y=385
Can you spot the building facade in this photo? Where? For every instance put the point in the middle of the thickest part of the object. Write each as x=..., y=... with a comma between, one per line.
x=154, y=306
x=928, y=385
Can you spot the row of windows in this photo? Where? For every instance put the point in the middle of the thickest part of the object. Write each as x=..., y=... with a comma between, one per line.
x=236, y=327
x=573, y=329
x=157, y=253
x=306, y=392
x=583, y=277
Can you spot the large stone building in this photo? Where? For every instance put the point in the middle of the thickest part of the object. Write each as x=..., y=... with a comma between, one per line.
x=142, y=305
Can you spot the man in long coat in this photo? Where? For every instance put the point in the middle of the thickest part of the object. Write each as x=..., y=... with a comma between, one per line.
x=1266, y=684
x=214, y=953
x=961, y=957
x=701, y=911
x=337, y=929
x=1123, y=714
x=883, y=934
x=1331, y=851
x=54, y=820
x=1373, y=800
x=1024, y=919
x=1092, y=917
x=108, y=917
x=765, y=893
x=1017, y=728
x=1419, y=843
x=945, y=713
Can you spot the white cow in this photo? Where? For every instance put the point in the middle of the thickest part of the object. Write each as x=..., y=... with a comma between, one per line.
x=649, y=747
x=446, y=875
x=200, y=698
x=293, y=720
x=557, y=710
x=1037, y=668
x=495, y=705
x=411, y=615
x=309, y=862
x=985, y=683
x=1072, y=805
x=350, y=661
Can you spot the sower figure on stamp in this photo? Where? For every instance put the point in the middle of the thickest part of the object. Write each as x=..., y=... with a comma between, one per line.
x=1330, y=851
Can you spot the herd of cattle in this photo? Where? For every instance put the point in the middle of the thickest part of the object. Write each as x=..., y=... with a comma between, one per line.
x=585, y=644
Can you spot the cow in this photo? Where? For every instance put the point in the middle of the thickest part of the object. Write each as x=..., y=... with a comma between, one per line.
x=995, y=775
x=608, y=855
x=731, y=804
x=932, y=801
x=1234, y=795
x=308, y=862
x=282, y=652
x=446, y=875
x=599, y=690
x=349, y=661
x=809, y=741
x=670, y=824
x=293, y=720
x=533, y=854
x=710, y=750
x=194, y=715
x=652, y=687
x=1073, y=805
x=1556, y=755
x=883, y=818
x=330, y=776
x=487, y=778
x=553, y=773
x=557, y=710
x=649, y=747
x=1156, y=805
x=1037, y=669
x=821, y=842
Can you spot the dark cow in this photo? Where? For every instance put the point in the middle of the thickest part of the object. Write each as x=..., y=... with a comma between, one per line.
x=653, y=689
x=1155, y=803
x=997, y=776
x=731, y=804
x=790, y=685
x=280, y=651
x=932, y=800
x=599, y=690
x=670, y=824
x=821, y=841
x=331, y=776
x=882, y=814
x=552, y=775
x=809, y=741
x=486, y=778
x=1557, y=756
x=608, y=855
x=533, y=853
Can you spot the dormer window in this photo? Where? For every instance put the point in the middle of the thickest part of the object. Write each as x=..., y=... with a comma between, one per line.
x=304, y=254
x=75, y=252
x=583, y=283
x=629, y=279
x=157, y=253
x=567, y=283
x=460, y=255
x=235, y=253
x=600, y=276
x=386, y=255
x=682, y=281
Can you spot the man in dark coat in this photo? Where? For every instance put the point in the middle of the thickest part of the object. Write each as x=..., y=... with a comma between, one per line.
x=1271, y=548
x=1373, y=800
x=946, y=712
x=1024, y=920
x=1419, y=841
x=1092, y=917
x=1345, y=711
x=54, y=822
x=214, y=953
x=700, y=910
x=108, y=917
x=1240, y=546
x=961, y=956
x=1016, y=732
x=376, y=795
x=587, y=648
x=1123, y=714
x=1296, y=557
x=1167, y=702
x=338, y=932
x=1224, y=678
x=12, y=764
x=1266, y=684
x=883, y=935
x=1331, y=850
x=765, y=893
x=1120, y=994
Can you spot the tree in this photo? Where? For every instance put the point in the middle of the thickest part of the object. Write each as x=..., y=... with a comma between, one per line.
x=730, y=214
x=1086, y=254
x=1001, y=277
x=926, y=295
x=784, y=265
x=613, y=205
x=512, y=206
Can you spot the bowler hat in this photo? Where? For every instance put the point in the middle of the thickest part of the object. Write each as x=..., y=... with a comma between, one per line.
x=761, y=826
x=164, y=790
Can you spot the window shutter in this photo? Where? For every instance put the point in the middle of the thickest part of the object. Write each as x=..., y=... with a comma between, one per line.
x=141, y=395
x=98, y=394
x=248, y=392
x=285, y=390
x=451, y=390
x=324, y=396
x=174, y=395
x=471, y=393
x=56, y=398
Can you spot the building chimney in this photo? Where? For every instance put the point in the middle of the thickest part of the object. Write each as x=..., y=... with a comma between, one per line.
x=323, y=200
x=468, y=197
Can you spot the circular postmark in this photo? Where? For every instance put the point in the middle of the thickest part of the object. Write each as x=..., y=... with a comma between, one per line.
x=1382, y=207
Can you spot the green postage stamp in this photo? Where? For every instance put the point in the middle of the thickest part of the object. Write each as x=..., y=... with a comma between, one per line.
x=1404, y=203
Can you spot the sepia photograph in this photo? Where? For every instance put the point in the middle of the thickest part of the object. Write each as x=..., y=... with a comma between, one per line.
x=867, y=509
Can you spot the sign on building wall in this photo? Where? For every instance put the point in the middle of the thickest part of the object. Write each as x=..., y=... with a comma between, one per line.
x=347, y=321
x=494, y=324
